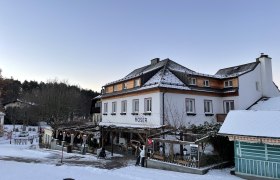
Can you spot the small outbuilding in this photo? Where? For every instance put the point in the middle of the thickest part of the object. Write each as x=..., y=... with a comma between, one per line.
x=256, y=136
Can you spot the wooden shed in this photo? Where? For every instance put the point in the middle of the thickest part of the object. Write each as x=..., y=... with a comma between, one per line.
x=256, y=137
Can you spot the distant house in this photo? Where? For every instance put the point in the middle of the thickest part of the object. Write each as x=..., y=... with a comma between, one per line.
x=256, y=137
x=18, y=104
x=47, y=135
x=167, y=93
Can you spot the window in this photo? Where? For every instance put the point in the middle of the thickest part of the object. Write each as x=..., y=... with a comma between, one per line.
x=105, y=108
x=193, y=81
x=136, y=82
x=123, y=107
x=135, y=105
x=116, y=87
x=228, y=105
x=125, y=85
x=190, y=106
x=208, y=107
x=257, y=86
x=206, y=83
x=228, y=83
x=148, y=105
x=97, y=105
x=114, y=108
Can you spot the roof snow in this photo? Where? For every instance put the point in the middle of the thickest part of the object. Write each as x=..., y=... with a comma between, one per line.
x=164, y=78
x=252, y=123
x=271, y=104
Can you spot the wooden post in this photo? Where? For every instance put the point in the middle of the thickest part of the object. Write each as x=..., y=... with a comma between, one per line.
x=112, y=147
x=102, y=137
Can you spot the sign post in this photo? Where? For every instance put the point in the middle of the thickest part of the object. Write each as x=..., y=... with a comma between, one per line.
x=194, y=153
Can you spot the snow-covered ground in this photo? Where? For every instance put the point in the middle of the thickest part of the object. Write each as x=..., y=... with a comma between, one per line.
x=16, y=163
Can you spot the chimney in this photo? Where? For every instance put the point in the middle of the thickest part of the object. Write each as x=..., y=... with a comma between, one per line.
x=266, y=75
x=154, y=61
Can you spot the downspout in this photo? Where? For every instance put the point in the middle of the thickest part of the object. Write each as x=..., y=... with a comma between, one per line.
x=163, y=113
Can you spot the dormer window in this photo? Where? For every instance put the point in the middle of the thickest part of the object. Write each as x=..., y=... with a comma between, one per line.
x=193, y=81
x=228, y=83
x=136, y=82
x=115, y=87
x=206, y=83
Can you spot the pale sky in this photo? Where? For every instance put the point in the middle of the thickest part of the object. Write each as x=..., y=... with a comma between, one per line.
x=90, y=43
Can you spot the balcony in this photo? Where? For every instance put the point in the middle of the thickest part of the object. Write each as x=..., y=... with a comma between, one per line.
x=221, y=117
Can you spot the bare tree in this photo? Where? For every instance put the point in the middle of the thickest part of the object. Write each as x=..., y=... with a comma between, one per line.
x=175, y=118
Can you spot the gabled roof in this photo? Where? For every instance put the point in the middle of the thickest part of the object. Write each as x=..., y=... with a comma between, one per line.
x=236, y=70
x=165, y=78
x=252, y=123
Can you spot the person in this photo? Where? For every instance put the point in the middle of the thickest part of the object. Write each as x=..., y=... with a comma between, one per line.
x=138, y=156
x=142, y=156
x=102, y=153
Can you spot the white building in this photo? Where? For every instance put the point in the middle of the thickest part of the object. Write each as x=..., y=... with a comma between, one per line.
x=165, y=92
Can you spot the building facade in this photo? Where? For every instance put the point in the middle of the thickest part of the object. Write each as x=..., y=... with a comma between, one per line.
x=166, y=93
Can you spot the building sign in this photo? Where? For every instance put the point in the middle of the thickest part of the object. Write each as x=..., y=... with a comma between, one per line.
x=141, y=119
x=194, y=151
x=96, y=134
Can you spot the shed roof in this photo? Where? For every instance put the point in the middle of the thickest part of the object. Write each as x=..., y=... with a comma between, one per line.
x=252, y=123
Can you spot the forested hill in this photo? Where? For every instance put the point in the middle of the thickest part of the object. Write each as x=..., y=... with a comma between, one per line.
x=54, y=101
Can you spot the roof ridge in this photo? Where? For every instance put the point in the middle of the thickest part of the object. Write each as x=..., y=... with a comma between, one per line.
x=164, y=68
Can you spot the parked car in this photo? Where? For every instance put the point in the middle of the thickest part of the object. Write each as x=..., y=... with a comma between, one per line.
x=23, y=134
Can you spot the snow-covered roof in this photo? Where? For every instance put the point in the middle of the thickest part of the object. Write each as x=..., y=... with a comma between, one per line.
x=125, y=125
x=236, y=70
x=165, y=78
x=252, y=123
x=173, y=66
x=271, y=104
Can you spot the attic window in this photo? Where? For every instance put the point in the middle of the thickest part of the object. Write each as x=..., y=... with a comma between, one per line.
x=136, y=82
x=115, y=87
x=228, y=83
x=193, y=81
x=125, y=85
x=206, y=83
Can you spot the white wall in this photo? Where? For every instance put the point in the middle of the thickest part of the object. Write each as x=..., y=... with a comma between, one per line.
x=153, y=119
x=177, y=101
x=248, y=93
